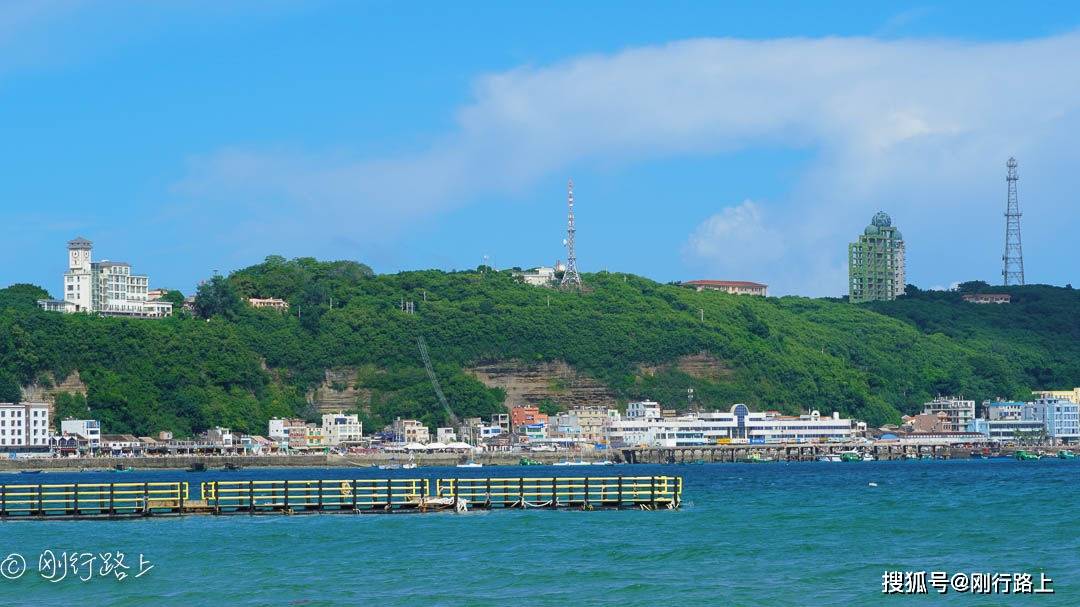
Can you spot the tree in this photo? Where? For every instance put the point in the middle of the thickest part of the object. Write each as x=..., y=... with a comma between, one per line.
x=10, y=392
x=176, y=298
x=217, y=297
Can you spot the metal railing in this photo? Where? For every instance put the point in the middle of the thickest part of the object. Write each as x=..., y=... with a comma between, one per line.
x=537, y=492
x=92, y=499
x=343, y=494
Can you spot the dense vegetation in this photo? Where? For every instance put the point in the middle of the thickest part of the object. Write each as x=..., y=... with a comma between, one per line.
x=232, y=365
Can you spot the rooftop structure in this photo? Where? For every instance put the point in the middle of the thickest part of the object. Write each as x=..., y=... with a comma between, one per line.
x=735, y=287
x=272, y=303
x=876, y=262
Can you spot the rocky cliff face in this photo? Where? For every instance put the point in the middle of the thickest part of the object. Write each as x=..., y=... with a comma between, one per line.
x=46, y=392
x=702, y=365
x=337, y=392
x=532, y=383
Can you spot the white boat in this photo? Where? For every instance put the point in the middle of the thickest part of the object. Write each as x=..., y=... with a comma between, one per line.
x=566, y=463
x=470, y=465
x=605, y=462
x=868, y=457
x=408, y=466
x=831, y=457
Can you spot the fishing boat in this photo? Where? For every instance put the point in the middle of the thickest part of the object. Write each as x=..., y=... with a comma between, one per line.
x=1026, y=455
x=868, y=457
x=755, y=458
x=471, y=464
x=607, y=462
x=569, y=463
x=232, y=466
x=122, y=468
x=829, y=457
x=30, y=471
x=528, y=461
x=851, y=456
x=1065, y=454
x=197, y=467
x=408, y=466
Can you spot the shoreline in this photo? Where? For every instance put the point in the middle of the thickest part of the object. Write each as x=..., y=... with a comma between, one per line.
x=211, y=462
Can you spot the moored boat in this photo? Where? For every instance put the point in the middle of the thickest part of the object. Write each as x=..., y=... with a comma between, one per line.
x=1026, y=455
x=1066, y=454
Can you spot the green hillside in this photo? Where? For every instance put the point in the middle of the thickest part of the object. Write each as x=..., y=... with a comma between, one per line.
x=232, y=365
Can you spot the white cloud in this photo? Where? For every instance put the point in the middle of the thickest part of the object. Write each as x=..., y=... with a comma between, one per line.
x=734, y=241
x=920, y=128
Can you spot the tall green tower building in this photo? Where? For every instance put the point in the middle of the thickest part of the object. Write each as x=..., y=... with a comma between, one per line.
x=876, y=262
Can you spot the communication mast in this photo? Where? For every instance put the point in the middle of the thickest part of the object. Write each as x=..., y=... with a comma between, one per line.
x=1013, y=270
x=571, y=279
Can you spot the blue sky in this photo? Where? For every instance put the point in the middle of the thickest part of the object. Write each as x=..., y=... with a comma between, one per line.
x=749, y=141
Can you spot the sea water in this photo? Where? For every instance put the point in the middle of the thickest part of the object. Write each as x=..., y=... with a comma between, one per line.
x=766, y=534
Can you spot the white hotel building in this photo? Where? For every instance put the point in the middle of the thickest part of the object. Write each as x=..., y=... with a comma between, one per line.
x=24, y=426
x=644, y=425
x=105, y=287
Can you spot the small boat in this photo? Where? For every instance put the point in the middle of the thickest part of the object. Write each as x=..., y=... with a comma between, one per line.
x=408, y=466
x=122, y=468
x=755, y=458
x=607, y=462
x=868, y=457
x=830, y=457
x=1065, y=454
x=197, y=467
x=470, y=464
x=1026, y=455
x=30, y=471
x=851, y=456
x=528, y=461
x=232, y=466
x=568, y=463
x=390, y=466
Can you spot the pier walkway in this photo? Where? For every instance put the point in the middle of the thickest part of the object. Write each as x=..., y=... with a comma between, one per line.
x=344, y=496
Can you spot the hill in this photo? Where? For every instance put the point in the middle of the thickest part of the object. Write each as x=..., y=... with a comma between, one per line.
x=627, y=338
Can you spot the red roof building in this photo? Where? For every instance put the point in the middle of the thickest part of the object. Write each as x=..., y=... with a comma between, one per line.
x=735, y=287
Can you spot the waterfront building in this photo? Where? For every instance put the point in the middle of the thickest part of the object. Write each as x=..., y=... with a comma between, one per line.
x=644, y=426
x=278, y=428
x=987, y=298
x=341, y=428
x=271, y=303
x=120, y=443
x=24, y=426
x=734, y=287
x=960, y=412
x=1070, y=395
x=927, y=422
x=927, y=439
x=1008, y=429
x=445, y=435
x=1003, y=410
x=411, y=431
x=876, y=264
x=89, y=429
x=1060, y=417
x=316, y=437
x=590, y=422
x=106, y=287
x=220, y=437
x=502, y=420
x=524, y=415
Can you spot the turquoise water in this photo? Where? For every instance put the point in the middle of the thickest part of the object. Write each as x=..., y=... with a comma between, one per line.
x=776, y=534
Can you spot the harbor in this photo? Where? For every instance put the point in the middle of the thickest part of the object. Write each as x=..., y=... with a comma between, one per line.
x=68, y=501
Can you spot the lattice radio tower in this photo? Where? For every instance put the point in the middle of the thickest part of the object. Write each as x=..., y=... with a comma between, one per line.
x=570, y=279
x=1013, y=270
